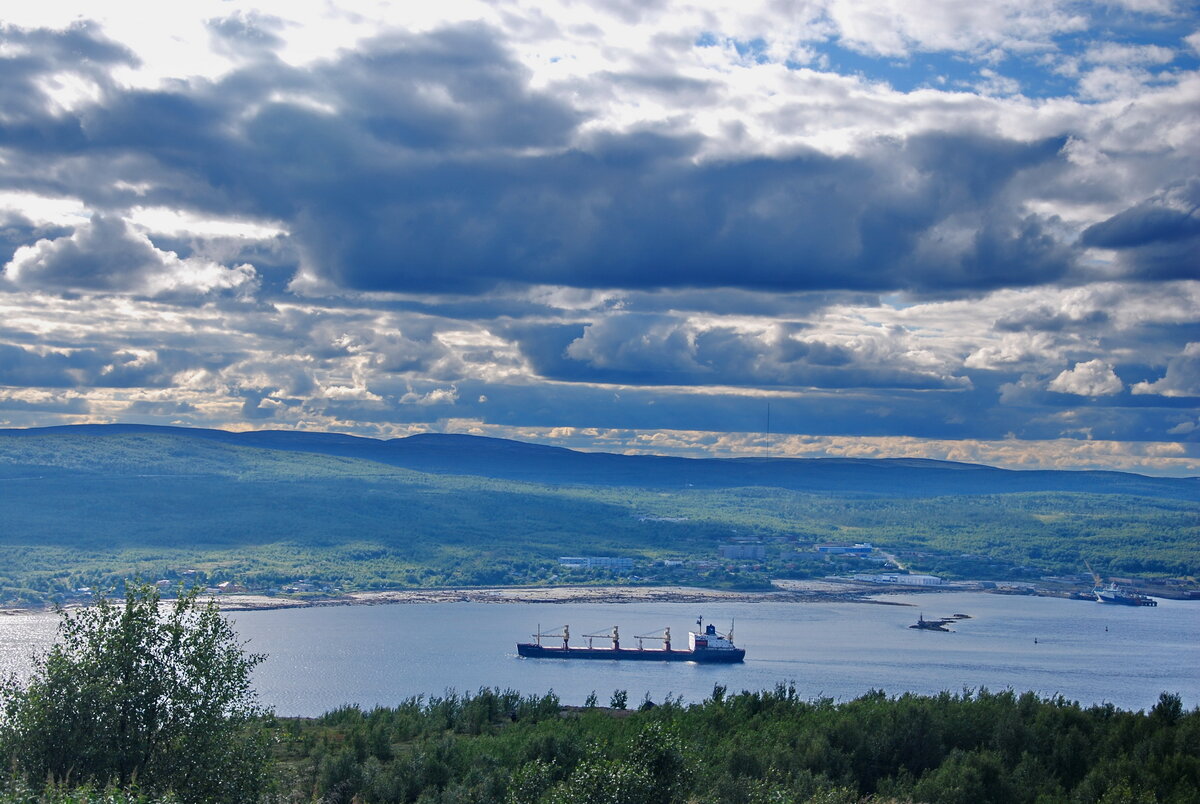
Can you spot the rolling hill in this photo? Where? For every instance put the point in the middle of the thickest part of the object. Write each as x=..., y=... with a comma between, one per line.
x=87, y=506
x=495, y=458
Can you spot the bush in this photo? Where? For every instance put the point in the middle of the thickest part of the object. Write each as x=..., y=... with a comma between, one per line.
x=132, y=695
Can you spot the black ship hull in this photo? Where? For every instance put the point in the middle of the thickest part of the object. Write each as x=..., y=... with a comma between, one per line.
x=1126, y=600
x=532, y=651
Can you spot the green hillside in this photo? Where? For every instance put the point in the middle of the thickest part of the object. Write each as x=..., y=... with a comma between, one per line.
x=86, y=510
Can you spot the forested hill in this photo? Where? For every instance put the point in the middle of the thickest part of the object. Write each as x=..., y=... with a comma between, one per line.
x=88, y=506
x=537, y=463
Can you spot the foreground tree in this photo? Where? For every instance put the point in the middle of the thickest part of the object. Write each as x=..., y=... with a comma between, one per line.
x=140, y=694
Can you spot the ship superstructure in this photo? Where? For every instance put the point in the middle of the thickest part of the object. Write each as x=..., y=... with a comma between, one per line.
x=704, y=645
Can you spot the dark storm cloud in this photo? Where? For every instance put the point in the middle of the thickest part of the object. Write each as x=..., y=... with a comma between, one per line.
x=613, y=220
x=1158, y=238
x=441, y=170
x=23, y=367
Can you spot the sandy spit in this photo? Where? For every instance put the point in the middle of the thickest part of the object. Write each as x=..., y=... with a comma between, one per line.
x=793, y=592
x=807, y=591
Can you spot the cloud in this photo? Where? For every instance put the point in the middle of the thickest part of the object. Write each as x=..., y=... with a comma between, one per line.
x=127, y=367
x=1182, y=377
x=1154, y=457
x=17, y=230
x=900, y=28
x=1116, y=53
x=246, y=34
x=436, y=396
x=43, y=402
x=105, y=255
x=49, y=71
x=665, y=350
x=655, y=221
x=428, y=163
x=1158, y=238
x=1015, y=351
x=1184, y=427
x=25, y=367
x=648, y=216
x=1093, y=378
x=1043, y=318
x=1193, y=41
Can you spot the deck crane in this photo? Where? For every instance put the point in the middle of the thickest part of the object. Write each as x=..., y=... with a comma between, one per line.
x=663, y=634
x=614, y=635
x=564, y=635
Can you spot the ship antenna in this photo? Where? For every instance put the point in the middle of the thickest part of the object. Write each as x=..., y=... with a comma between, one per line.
x=730, y=637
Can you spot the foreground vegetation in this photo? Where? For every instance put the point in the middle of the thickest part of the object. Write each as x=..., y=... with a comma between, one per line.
x=137, y=696
x=751, y=747
x=498, y=746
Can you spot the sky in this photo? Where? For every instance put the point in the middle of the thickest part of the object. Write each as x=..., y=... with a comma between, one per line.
x=861, y=228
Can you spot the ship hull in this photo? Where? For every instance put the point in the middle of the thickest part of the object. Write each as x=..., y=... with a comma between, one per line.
x=1124, y=599
x=531, y=651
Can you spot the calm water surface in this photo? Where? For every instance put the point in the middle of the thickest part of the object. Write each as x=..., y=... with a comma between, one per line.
x=320, y=658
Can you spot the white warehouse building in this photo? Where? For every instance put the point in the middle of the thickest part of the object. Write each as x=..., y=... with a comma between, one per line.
x=593, y=562
x=906, y=580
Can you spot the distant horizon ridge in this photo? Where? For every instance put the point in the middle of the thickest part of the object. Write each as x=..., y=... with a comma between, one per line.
x=295, y=435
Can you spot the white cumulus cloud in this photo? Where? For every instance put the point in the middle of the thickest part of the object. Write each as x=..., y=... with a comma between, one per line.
x=106, y=255
x=1093, y=378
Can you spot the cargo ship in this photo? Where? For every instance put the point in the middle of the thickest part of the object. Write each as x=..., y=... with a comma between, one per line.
x=704, y=645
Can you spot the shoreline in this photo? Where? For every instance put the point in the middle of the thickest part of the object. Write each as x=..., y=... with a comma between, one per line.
x=809, y=591
x=824, y=590
x=816, y=592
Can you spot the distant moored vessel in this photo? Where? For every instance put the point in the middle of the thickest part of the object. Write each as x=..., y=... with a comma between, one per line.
x=705, y=645
x=1123, y=597
x=1115, y=594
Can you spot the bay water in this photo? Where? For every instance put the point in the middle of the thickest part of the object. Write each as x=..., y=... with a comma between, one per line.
x=321, y=658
